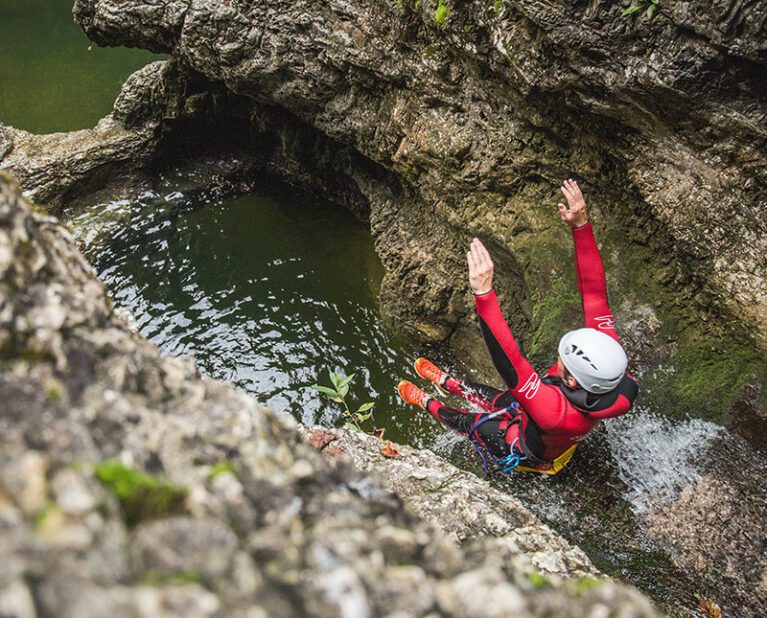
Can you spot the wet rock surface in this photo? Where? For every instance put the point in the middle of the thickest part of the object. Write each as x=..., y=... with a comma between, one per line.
x=54, y=168
x=132, y=486
x=713, y=528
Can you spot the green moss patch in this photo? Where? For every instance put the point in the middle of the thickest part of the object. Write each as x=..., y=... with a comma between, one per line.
x=222, y=468
x=582, y=584
x=709, y=363
x=53, y=396
x=442, y=13
x=153, y=578
x=538, y=580
x=141, y=495
x=705, y=376
x=555, y=311
x=44, y=515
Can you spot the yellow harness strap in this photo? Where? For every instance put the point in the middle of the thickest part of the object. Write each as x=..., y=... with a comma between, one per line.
x=553, y=467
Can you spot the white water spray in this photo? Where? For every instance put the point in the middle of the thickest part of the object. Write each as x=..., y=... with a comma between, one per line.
x=657, y=457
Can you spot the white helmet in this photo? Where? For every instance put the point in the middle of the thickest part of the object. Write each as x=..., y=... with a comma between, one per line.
x=594, y=358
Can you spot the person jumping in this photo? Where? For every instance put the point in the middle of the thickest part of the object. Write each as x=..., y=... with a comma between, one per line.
x=538, y=421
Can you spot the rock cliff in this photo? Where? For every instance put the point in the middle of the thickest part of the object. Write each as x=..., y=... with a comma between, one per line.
x=434, y=132
x=131, y=486
x=480, y=108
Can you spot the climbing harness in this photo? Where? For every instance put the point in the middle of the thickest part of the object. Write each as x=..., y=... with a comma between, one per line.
x=512, y=460
x=551, y=467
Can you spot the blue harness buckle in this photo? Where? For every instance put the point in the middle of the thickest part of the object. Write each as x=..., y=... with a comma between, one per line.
x=512, y=460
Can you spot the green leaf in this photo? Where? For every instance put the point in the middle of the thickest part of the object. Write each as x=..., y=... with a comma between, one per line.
x=630, y=10
x=366, y=406
x=337, y=399
x=351, y=426
x=335, y=378
x=324, y=390
x=361, y=418
x=346, y=380
x=651, y=10
x=343, y=390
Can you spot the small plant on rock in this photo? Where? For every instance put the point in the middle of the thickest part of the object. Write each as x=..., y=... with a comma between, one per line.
x=338, y=392
x=442, y=13
x=649, y=6
x=141, y=495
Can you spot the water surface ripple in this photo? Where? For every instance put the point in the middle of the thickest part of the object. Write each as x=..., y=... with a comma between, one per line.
x=267, y=290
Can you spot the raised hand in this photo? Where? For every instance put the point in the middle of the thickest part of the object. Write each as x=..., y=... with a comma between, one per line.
x=574, y=214
x=480, y=268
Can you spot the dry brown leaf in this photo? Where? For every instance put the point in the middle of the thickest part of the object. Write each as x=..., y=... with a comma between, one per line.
x=321, y=438
x=378, y=433
x=335, y=451
x=709, y=608
x=389, y=450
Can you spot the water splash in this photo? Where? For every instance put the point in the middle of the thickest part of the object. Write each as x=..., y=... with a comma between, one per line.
x=444, y=443
x=656, y=457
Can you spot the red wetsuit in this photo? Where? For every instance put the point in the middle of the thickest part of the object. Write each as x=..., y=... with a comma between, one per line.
x=554, y=416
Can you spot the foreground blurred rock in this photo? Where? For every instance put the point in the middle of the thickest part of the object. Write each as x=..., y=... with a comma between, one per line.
x=131, y=486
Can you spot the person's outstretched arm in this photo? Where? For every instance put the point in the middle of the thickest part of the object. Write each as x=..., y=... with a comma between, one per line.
x=541, y=401
x=588, y=263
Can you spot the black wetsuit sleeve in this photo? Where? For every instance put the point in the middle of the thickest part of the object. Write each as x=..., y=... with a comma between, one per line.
x=500, y=359
x=542, y=402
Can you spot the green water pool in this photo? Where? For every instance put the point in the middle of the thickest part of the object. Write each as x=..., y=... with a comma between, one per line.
x=270, y=290
x=49, y=80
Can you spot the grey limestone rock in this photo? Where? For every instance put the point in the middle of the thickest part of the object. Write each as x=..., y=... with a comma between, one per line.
x=463, y=505
x=17, y=601
x=710, y=527
x=176, y=545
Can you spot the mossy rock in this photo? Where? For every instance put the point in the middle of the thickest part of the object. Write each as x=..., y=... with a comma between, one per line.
x=223, y=468
x=582, y=584
x=153, y=578
x=538, y=581
x=141, y=495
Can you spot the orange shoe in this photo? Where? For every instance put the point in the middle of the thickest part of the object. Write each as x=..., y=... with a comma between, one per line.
x=411, y=394
x=429, y=371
